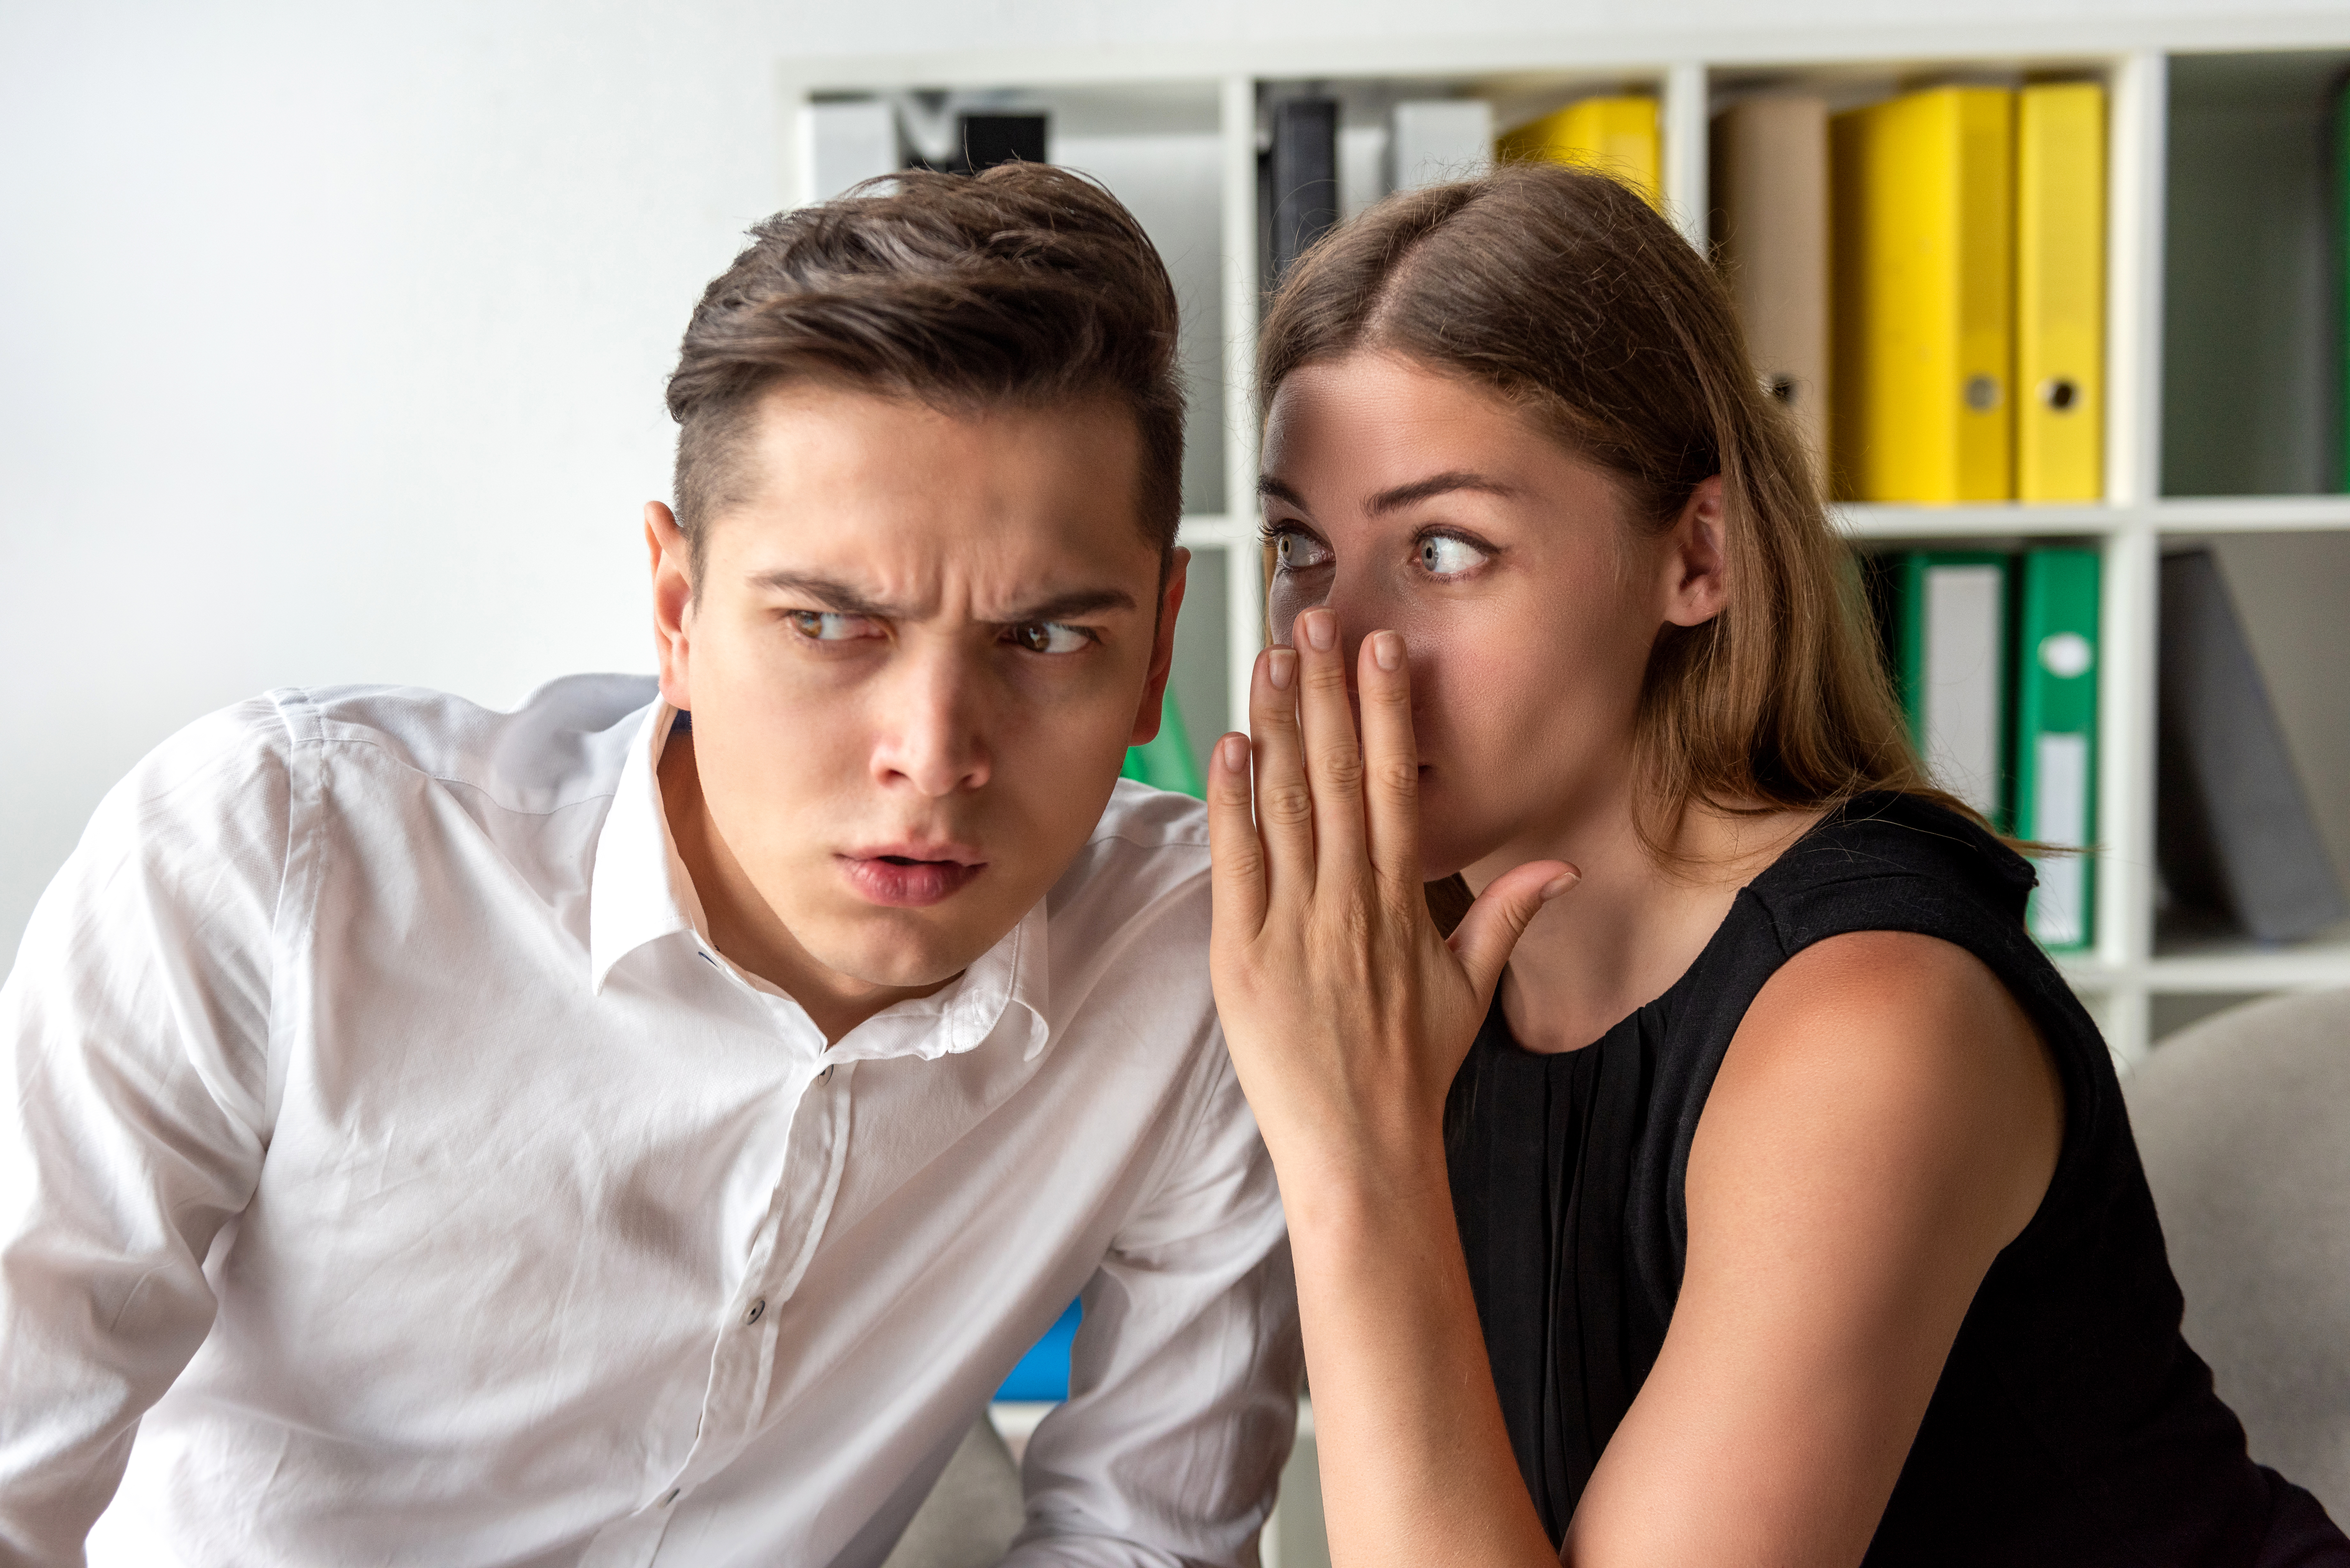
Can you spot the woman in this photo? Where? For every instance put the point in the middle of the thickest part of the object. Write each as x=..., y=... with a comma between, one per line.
x=1772, y=1201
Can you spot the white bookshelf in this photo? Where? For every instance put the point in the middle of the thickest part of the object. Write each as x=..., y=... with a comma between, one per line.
x=1191, y=115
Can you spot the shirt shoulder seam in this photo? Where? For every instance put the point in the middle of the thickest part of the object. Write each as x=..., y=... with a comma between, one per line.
x=393, y=755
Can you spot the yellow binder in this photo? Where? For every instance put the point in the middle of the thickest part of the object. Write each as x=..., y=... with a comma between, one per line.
x=1616, y=136
x=1924, y=291
x=2060, y=292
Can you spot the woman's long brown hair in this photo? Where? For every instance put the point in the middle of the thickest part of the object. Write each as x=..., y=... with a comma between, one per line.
x=1565, y=293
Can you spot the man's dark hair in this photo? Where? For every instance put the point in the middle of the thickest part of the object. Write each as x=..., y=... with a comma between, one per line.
x=1025, y=285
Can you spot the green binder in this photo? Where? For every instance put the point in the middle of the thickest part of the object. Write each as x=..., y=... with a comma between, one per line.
x=2056, y=744
x=1950, y=654
x=1165, y=762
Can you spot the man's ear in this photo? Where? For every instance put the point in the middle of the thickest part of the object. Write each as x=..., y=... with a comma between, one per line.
x=673, y=565
x=1696, y=582
x=1162, y=651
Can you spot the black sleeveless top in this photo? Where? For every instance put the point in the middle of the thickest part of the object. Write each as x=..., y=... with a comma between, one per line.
x=2072, y=1424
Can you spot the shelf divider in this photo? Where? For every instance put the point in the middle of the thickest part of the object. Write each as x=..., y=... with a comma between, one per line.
x=1688, y=196
x=2136, y=136
x=2125, y=719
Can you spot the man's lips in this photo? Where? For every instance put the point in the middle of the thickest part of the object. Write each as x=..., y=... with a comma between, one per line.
x=911, y=877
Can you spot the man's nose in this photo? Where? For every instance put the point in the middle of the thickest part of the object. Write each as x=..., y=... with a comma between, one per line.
x=932, y=733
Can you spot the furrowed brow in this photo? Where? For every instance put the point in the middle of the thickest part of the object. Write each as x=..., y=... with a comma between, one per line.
x=1069, y=606
x=826, y=592
x=832, y=594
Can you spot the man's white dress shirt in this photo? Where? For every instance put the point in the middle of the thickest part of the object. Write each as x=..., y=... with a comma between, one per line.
x=389, y=1152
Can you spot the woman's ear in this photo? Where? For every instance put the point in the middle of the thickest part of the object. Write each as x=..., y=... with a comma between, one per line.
x=1695, y=586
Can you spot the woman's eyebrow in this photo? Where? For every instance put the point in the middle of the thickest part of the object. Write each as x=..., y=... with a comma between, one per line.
x=1266, y=485
x=1436, y=484
x=1401, y=494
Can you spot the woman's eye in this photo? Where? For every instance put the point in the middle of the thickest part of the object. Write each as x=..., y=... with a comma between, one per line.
x=1441, y=554
x=1050, y=636
x=829, y=626
x=1296, y=551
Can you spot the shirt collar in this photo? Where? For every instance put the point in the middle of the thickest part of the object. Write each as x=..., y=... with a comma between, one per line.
x=632, y=894
x=1009, y=978
x=640, y=892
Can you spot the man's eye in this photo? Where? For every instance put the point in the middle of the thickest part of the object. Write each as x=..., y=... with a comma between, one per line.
x=1441, y=554
x=1296, y=551
x=1050, y=636
x=829, y=626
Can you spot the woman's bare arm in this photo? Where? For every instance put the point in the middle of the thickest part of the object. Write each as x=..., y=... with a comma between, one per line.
x=1885, y=1121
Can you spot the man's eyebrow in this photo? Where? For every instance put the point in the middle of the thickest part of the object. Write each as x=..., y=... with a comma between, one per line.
x=1402, y=495
x=1069, y=606
x=831, y=594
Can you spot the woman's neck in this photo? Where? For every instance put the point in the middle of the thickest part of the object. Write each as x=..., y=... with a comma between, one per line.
x=1633, y=924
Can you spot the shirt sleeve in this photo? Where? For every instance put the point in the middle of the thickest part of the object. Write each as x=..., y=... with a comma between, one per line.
x=1184, y=1378
x=134, y=1028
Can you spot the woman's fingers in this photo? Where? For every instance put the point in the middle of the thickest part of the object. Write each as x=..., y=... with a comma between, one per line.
x=1390, y=763
x=1284, y=805
x=1236, y=885
x=1334, y=760
x=1500, y=917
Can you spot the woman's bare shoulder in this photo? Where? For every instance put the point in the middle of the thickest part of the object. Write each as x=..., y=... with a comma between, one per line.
x=1894, y=1046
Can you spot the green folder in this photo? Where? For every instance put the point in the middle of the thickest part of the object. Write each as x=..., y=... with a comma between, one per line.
x=2056, y=744
x=1165, y=762
x=1950, y=630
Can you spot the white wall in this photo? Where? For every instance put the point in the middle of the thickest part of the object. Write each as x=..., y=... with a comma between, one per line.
x=331, y=336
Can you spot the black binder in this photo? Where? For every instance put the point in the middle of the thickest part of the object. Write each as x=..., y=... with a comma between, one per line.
x=2233, y=831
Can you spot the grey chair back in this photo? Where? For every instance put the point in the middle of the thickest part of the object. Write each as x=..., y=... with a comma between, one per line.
x=972, y=1515
x=2243, y=1121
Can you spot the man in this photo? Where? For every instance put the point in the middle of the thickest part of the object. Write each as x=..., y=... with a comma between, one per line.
x=644, y=1127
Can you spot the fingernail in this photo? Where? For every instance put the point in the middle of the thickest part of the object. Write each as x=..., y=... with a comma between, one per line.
x=1321, y=629
x=1280, y=665
x=1387, y=648
x=1235, y=752
x=1560, y=884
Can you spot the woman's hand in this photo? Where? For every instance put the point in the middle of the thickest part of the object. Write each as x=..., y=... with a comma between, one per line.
x=1347, y=1011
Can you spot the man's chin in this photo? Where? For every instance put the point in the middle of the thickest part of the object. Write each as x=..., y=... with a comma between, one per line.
x=902, y=948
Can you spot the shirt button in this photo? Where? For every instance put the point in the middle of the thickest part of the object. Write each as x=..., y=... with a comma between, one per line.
x=757, y=1308
x=825, y=1074
x=672, y=1496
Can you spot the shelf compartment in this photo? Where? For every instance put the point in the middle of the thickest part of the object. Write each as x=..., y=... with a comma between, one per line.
x=2252, y=366
x=2290, y=590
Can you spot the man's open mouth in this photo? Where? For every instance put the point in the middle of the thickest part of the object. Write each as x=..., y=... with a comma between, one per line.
x=910, y=881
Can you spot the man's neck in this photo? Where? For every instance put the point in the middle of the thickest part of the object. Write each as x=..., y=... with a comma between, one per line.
x=744, y=926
